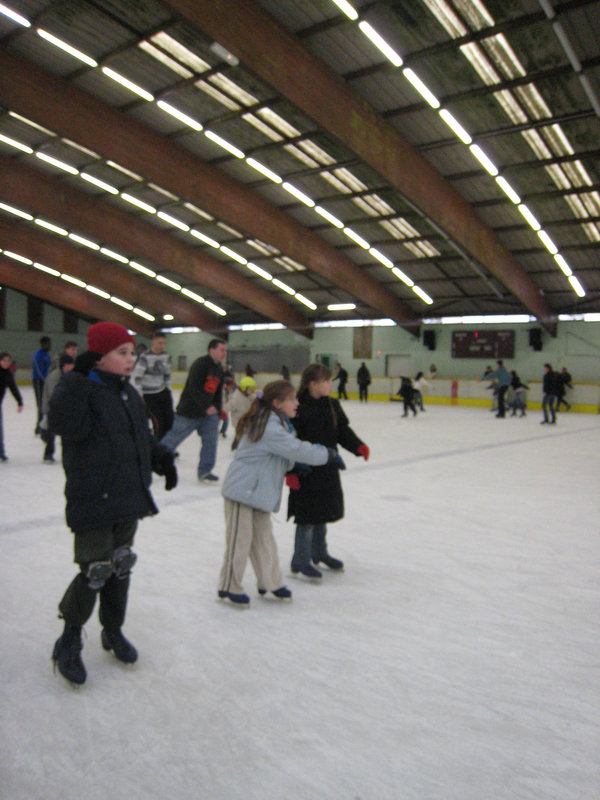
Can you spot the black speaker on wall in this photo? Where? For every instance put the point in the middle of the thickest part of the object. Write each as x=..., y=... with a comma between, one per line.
x=429, y=339
x=535, y=338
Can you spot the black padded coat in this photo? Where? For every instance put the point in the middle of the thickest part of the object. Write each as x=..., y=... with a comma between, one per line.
x=320, y=497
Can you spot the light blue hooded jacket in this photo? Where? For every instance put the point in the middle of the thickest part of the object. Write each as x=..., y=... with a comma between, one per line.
x=256, y=474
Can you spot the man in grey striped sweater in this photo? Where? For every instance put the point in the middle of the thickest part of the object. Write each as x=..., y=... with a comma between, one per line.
x=151, y=376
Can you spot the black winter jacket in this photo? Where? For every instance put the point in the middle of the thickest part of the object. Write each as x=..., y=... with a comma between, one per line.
x=203, y=388
x=107, y=449
x=7, y=381
x=320, y=497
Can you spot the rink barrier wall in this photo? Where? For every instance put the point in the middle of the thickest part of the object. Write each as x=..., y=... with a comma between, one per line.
x=584, y=397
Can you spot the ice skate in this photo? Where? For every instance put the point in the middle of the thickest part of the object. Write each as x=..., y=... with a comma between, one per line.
x=67, y=655
x=122, y=648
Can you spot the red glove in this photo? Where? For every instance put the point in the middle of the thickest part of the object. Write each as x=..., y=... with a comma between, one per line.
x=223, y=414
x=293, y=481
x=363, y=451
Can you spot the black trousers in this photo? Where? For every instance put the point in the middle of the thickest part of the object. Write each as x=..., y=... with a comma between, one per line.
x=342, y=394
x=98, y=544
x=160, y=406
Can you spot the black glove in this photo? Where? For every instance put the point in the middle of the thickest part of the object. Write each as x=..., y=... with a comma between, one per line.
x=163, y=463
x=335, y=458
x=302, y=469
x=86, y=361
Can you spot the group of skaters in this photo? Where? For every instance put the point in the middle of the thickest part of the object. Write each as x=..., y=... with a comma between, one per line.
x=554, y=388
x=117, y=425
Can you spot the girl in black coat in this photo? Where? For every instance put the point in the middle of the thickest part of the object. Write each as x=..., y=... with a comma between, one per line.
x=108, y=457
x=316, y=496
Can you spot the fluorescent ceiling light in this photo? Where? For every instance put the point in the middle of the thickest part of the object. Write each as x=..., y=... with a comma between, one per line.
x=529, y=217
x=548, y=243
x=67, y=48
x=268, y=173
x=168, y=282
x=348, y=10
x=356, y=238
x=578, y=288
x=380, y=257
x=143, y=314
x=85, y=242
x=232, y=254
x=74, y=281
x=56, y=163
x=231, y=148
x=97, y=182
x=486, y=163
x=14, y=143
x=215, y=308
x=117, y=301
x=139, y=203
x=133, y=87
x=455, y=125
x=169, y=317
x=17, y=257
x=205, y=239
x=16, y=211
x=174, y=112
x=329, y=217
x=508, y=190
x=423, y=295
x=283, y=286
x=380, y=43
x=413, y=78
x=341, y=307
x=304, y=198
x=141, y=268
x=44, y=268
x=192, y=295
x=8, y=12
x=402, y=276
x=563, y=265
x=111, y=254
x=259, y=271
x=99, y=292
x=305, y=301
x=177, y=223
x=43, y=223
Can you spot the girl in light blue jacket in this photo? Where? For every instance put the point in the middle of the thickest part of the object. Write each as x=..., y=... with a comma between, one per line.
x=266, y=448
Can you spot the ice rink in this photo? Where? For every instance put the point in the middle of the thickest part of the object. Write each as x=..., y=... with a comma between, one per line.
x=456, y=658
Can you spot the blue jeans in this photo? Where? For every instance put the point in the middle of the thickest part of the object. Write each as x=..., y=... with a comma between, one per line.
x=309, y=544
x=548, y=405
x=207, y=429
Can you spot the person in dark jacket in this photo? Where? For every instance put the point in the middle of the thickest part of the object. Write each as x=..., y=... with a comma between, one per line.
x=407, y=393
x=549, y=395
x=563, y=380
x=7, y=381
x=519, y=394
x=342, y=377
x=363, y=378
x=200, y=408
x=318, y=498
x=39, y=373
x=108, y=458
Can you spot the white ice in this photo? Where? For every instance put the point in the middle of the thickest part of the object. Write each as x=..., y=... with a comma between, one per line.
x=456, y=658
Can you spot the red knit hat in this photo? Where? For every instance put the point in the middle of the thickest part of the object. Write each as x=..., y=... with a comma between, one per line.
x=106, y=336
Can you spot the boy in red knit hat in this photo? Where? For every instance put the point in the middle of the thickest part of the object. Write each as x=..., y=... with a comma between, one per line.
x=108, y=457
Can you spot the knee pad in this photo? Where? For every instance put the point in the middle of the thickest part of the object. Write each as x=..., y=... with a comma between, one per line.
x=123, y=560
x=97, y=573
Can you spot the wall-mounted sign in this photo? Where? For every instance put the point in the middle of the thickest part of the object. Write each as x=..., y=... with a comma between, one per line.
x=483, y=344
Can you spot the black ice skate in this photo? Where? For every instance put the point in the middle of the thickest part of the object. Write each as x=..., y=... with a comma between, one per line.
x=67, y=655
x=331, y=562
x=121, y=647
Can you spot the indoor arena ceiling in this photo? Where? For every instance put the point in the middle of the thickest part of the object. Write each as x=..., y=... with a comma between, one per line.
x=226, y=162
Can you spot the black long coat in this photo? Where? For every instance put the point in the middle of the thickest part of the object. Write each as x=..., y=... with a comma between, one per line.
x=320, y=497
x=107, y=449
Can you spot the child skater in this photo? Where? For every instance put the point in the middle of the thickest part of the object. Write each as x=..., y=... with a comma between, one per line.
x=318, y=498
x=266, y=448
x=108, y=457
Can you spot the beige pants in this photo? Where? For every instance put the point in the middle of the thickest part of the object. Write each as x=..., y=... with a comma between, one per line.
x=249, y=534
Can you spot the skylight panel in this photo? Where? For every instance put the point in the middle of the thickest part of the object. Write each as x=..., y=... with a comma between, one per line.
x=30, y=123
x=578, y=173
x=282, y=263
x=510, y=107
x=181, y=53
x=474, y=12
x=558, y=176
x=592, y=231
x=380, y=205
x=350, y=180
x=504, y=56
x=168, y=62
x=447, y=17
x=533, y=101
x=480, y=63
x=221, y=98
x=537, y=144
x=198, y=211
x=365, y=206
x=266, y=250
x=278, y=122
x=301, y=155
x=317, y=152
x=124, y=170
x=414, y=249
x=231, y=88
x=261, y=126
x=335, y=182
x=224, y=226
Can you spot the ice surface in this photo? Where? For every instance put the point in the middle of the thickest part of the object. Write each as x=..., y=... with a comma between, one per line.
x=456, y=658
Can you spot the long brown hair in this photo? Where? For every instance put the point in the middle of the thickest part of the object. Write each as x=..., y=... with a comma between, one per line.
x=254, y=421
x=315, y=372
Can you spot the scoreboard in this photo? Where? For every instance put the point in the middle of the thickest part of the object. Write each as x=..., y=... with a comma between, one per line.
x=483, y=344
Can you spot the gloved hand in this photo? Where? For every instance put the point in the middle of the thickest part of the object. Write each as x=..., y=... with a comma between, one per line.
x=293, y=481
x=223, y=415
x=86, y=361
x=335, y=458
x=302, y=469
x=163, y=463
x=363, y=451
